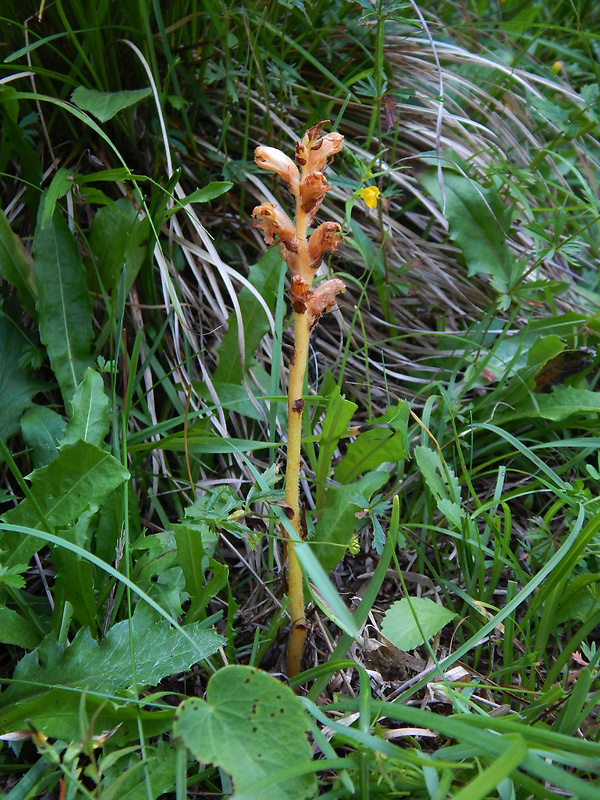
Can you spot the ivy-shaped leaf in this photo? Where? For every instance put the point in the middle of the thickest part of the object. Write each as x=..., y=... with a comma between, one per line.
x=253, y=727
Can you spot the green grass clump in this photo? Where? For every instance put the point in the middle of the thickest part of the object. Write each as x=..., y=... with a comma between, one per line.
x=448, y=475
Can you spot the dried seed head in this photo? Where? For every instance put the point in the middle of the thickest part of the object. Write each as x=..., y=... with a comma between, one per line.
x=273, y=159
x=322, y=299
x=326, y=237
x=314, y=150
x=273, y=222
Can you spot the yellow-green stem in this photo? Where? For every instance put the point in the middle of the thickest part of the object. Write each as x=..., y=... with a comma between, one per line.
x=292, y=475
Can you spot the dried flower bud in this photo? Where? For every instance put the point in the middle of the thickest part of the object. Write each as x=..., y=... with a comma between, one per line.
x=273, y=222
x=273, y=159
x=322, y=299
x=312, y=135
x=328, y=146
x=326, y=237
x=301, y=154
x=300, y=294
x=312, y=193
x=314, y=150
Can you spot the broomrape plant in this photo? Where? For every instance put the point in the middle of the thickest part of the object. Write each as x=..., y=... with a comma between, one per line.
x=302, y=253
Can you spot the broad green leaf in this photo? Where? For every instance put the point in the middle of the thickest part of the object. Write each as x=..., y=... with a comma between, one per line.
x=158, y=650
x=336, y=522
x=523, y=20
x=235, y=397
x=206, y=193
x=89, y=419
x=335, y=425
x=512, y=353
x=442, y=483
x=400, y=625
x=17, y=630
x=80, y=478
x=74, y=579
x=17, y=385
x=378, y=446
x=264, y=276
x=194, y=561
x=123, y=778
x=42, y=429
x=64, y=306
x=478, y=222
x=438, y=476
x=104, y=105
x=57, y=712
x=119, y=240
x=543, y=348
x=251, y=726
x=16, y=266
x=60, y=184
x=563, y=402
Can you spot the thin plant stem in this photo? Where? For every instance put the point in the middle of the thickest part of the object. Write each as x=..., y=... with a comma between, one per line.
x=292, y=476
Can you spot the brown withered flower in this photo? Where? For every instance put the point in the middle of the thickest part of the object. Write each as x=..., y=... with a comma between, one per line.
x=273, y=222
x=314, y=150
x=300, y=294
x=326, y=237
x=312, y=193
x=323, y=299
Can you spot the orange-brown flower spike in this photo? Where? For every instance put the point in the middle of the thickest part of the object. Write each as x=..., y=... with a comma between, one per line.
x=273, y=159
x=303, y=255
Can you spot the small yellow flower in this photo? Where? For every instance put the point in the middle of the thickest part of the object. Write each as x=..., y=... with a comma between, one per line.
x=370, y=194
x=556, y=68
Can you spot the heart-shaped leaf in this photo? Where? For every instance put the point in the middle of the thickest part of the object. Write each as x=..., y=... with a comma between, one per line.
x=253, y=727
x=408, y=624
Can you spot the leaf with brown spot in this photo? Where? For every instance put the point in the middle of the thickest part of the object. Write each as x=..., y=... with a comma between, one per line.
x=235, y=730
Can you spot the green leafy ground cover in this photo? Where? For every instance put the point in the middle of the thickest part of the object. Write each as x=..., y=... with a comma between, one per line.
x=452, y=559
